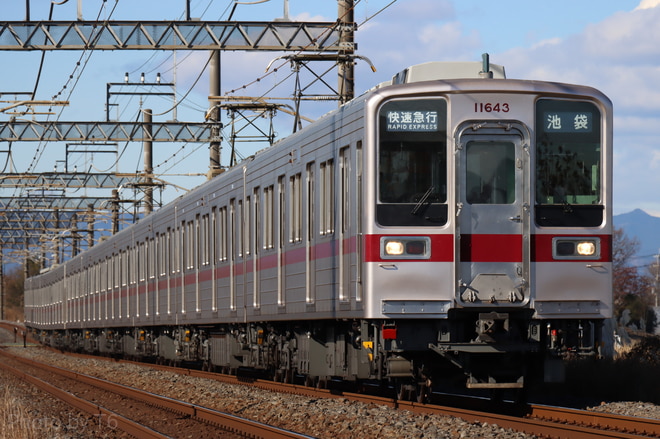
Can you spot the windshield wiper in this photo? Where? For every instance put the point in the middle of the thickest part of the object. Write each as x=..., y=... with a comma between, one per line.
x=422, y=200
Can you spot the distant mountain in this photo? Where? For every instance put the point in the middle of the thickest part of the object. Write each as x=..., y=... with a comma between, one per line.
x=646, y=228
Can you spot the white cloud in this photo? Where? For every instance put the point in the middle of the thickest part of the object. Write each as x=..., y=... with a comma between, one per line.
x=648, y=4
x=655, y=160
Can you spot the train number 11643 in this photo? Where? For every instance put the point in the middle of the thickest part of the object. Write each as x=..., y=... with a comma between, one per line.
x=490, y=107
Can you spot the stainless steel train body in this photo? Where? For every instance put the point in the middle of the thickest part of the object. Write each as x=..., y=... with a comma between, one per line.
x=429, y=222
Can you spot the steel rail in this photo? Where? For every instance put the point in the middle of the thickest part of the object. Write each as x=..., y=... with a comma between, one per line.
x=108, y=416
x=546, y=421
x=231, y=423
x=641, y=426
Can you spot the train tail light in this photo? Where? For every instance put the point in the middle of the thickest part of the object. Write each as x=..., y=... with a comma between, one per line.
x=389, y=332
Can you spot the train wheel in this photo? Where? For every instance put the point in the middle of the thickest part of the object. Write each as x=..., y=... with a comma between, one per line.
x=322, y=383
x=404, y=390
x=310, y=381
x=423, y=391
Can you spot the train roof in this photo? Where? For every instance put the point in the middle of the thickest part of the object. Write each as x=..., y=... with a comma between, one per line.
x=448, y=70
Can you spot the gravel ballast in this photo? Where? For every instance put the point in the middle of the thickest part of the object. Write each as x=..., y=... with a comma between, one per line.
x=334, y=418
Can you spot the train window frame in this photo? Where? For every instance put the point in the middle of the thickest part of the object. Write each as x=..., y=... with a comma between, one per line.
x=582, y=210
x=412, y=133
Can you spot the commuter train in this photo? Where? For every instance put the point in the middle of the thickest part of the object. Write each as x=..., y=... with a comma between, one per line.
x=450, y=222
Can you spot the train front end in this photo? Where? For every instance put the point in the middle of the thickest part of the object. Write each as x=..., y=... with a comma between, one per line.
x=487, y=227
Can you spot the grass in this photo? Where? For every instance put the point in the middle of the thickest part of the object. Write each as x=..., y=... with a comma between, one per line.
x=16, y=421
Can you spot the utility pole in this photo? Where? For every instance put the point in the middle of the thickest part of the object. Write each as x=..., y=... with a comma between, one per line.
x=148, y=165
x=214, y=116
x=2, y=287
x=345, y=70
x=657, y=278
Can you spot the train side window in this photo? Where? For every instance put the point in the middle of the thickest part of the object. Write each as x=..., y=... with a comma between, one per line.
x=142, y=261
x=247, y=228
x=222, y=234
x=344, y=191
x=309, y=206
x=295, y=208
x=327, y=198
x=121, y=270
x=256, y=225
x=269, y=217
x=204, y=241
x=232, y=229
x=568, y=167
x=240, y=225
x=178, y=248
x=212, y=228
x=152, y=257
x=281, y=188
x=190, y=238
x=162, y=255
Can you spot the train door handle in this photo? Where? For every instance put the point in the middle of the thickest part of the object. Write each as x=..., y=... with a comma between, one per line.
x=516, y=218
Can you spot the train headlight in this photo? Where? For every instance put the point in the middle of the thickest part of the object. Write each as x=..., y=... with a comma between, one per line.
x=394, y=248
x=405, y=247
x=586, y=248
x=576, y=248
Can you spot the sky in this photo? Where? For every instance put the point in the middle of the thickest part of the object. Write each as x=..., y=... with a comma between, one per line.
x=612, y=45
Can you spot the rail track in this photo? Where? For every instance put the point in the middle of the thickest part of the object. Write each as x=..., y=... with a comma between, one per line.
x=140, y=414
x=540, y=420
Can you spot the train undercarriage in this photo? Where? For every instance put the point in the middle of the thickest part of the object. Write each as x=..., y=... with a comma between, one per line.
x=410, y=357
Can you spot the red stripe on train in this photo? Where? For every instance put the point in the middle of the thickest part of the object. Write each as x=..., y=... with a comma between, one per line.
x=491, y=248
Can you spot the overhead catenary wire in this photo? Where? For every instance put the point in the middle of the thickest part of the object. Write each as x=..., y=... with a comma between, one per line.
x=274, y=70
x=41, y=148
x=71, y=83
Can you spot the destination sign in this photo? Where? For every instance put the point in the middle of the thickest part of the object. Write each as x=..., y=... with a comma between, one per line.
x=567, y=121
x=418, y=121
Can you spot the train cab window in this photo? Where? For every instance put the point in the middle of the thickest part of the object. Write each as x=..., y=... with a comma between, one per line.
x=412, y=163
x=568, y=164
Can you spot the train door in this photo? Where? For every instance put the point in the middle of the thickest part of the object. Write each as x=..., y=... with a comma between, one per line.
x=493, y=214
